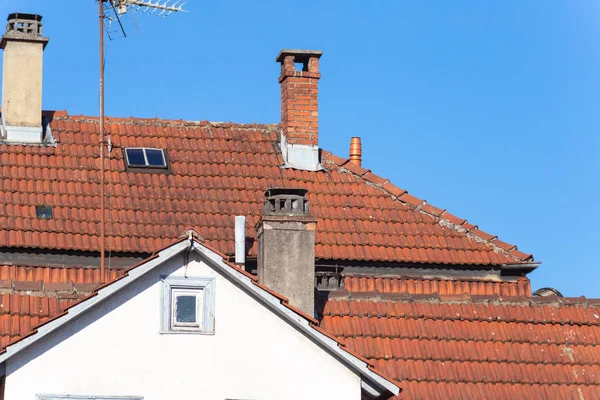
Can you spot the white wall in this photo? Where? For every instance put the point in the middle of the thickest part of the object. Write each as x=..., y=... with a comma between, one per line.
x=116, y=349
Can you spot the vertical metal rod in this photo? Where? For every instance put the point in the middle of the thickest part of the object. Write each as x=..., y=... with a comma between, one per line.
x=102, y=239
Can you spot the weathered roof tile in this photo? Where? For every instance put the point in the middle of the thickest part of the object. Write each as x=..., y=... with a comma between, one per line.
x=469, y=346
x=219, y=170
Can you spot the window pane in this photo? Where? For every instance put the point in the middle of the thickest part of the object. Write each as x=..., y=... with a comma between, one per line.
x=155, y=158
x=185, y=309
x=43, y=212
x=135, y=157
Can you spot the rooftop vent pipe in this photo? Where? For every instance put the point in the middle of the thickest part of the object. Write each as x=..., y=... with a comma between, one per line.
x=240, y=240
x=355, y=151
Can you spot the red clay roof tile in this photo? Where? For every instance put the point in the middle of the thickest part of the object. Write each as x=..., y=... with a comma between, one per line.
x=218, y=171
x=471, y=346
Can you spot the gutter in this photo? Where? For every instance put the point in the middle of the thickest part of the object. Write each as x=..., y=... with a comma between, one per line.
x=520, y=267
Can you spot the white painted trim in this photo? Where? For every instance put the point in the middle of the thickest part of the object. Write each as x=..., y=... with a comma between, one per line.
x=206, y=289
x=372, y=382
x=103, y=293
x=77, y=397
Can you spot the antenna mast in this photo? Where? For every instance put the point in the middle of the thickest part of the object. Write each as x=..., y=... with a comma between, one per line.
x=112, y=10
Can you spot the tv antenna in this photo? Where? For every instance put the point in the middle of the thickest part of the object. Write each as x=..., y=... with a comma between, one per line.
x=112, y=14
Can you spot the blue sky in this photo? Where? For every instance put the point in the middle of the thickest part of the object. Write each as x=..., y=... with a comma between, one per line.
x=488, y=109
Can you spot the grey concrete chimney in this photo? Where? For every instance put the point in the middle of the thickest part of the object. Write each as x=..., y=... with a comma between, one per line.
x=23, y=46
x=286, y=247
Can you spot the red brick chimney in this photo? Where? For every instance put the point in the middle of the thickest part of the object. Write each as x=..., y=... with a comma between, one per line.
x=300, y=108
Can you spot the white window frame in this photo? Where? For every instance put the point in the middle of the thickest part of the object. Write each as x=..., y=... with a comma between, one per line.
x=199, y=286
x=198, y=294
x=79, y=397
x=146, y=165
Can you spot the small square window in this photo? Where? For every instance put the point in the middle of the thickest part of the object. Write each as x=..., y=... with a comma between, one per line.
x=187, y=305
x=145, y=158
x=43, y=212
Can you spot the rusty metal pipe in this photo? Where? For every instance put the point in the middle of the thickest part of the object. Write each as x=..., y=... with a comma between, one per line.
x=101, y=123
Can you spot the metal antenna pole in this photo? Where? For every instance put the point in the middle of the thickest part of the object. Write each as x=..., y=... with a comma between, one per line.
x=112, y=12
x=102, y=235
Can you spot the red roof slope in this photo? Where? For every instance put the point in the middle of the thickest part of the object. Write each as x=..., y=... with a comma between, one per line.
x=219, y=170
x=457, y=286
x=474, y=347
x=30, y=296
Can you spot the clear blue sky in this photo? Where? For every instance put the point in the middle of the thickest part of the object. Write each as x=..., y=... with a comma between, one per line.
x=489, y=109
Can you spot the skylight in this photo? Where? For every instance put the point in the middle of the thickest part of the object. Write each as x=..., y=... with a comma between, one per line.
x=43, y=212
x=145, y=158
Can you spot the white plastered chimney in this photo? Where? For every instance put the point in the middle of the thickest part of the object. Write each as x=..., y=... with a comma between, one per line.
x=23, y=46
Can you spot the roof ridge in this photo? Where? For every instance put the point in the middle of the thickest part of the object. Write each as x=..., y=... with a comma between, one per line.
x=391, y=275
x=465, y=298
x=41, y=288
x=63, y=115
x=437, y=338
x=442, y=215
x=376, y=356
x=499, y=382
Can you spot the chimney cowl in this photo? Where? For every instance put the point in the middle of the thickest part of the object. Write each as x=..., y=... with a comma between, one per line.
x=23, y=26
x=286, y=201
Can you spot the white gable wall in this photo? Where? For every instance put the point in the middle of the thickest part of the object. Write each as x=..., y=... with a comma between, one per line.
x=115, y=349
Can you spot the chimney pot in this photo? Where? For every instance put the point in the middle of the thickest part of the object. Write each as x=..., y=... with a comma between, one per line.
x=355, y=151
x=286, y=201
x=21, y=24
x=240, y=240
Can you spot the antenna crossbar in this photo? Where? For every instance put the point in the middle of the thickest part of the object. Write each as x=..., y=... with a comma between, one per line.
x=165, y=7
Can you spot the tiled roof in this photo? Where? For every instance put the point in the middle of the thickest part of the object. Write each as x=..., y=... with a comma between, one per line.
x=474, y=347
x=400, y=284
x=82, y=277
x=31, y=295
x=219, y=170
x=30, y=301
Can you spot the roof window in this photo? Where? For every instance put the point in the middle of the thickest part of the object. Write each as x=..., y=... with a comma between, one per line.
x=145, y=158
x=43, y=212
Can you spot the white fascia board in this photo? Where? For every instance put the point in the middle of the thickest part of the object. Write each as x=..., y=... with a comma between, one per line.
x=372, y=382
x=102, y=294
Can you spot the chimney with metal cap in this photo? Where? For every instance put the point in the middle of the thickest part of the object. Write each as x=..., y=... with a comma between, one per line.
x=23, y=46
x=299, y=80
x=286, y=247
